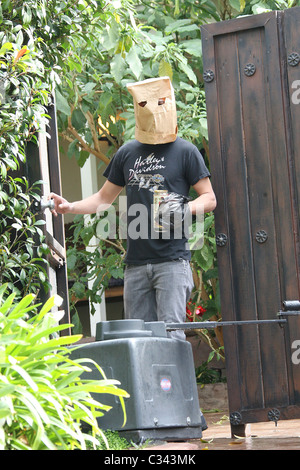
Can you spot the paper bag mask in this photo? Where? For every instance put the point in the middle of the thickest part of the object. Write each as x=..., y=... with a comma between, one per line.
x=155, y=110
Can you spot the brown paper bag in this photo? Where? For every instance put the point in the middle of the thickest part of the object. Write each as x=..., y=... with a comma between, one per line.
x=155, y=110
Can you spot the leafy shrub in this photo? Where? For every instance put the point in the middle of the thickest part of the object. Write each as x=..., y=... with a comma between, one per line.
x=43, y=401
x=23, y=97
x=97, y=266
x=22, y=242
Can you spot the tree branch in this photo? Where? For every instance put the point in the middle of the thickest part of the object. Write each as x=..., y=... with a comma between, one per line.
x=85, y=146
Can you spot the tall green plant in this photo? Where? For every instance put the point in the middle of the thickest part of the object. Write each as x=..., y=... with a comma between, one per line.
x=205, y=303
x=43, y=399
x=36, y=38
x=22, y=242
x=90, y=270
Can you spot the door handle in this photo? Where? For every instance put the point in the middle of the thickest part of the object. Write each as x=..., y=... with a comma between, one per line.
x=41, y=206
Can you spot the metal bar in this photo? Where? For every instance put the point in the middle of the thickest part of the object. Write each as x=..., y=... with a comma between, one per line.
x=215, y=324
x=288, y=313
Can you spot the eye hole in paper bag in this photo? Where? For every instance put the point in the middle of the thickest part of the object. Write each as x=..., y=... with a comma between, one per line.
x=161, y=101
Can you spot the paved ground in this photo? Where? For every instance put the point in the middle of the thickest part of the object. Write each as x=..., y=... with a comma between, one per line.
x=259, y=436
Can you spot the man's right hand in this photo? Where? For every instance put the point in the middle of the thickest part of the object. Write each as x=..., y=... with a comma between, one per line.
x=61, y=205
x=89, y=205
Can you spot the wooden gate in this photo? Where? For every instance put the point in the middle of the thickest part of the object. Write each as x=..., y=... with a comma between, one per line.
x=251, y=72
x=43, y=164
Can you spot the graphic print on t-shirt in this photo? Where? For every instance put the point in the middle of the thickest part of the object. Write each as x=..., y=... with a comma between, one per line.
x=140, y=174
x=145, y=170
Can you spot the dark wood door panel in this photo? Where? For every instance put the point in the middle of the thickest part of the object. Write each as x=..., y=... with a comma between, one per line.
x=290, y=55
x=255, y=176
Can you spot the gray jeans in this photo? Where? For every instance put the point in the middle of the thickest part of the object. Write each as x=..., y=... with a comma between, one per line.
x=158, y=292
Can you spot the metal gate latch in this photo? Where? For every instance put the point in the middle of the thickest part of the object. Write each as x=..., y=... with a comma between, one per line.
x=290, y=308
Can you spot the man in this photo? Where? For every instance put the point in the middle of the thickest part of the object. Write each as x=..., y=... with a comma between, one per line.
x=157, y=168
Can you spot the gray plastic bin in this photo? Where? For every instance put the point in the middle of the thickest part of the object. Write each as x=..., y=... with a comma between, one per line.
x=157, y=372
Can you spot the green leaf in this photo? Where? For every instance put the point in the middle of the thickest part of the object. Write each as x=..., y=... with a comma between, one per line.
x=6, y=47
x=72, y=259
x=238, y=5
x=26, y=15
x=72, y=148
x=46, y=333
x=67, y=380
x=57, y=342
x=75, y=65
x=105, y=100
x=187, y=70
x=8, y=302
x=38, y=413
x=79, y=289
x=178, y=25
x=78, y=120
x=3, y=288
x=205, y=257
x=193, y=47
x=17, y=226
x=25, y=376
x=118, y=67
x=6, y=389
x=4, y=412
x=203, y=127
x=22, y=306
x=134, y=63
x=89, y=87
x=110, y=36
x=62, y=104
x=55, y=300
x=165, y=69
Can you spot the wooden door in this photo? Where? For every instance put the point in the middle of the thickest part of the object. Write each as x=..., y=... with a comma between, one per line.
x=250, y=66
x=43, y=164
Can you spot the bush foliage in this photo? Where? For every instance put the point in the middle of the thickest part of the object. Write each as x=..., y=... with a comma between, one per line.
x=43, y=400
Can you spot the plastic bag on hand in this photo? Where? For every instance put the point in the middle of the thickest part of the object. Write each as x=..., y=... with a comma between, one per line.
x=172, y=211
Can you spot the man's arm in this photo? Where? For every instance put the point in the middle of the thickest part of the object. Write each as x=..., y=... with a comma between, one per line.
x=90, y=205
x=206, y=198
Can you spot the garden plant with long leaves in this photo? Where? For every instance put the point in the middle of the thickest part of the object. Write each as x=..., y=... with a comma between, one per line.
x=43, y=399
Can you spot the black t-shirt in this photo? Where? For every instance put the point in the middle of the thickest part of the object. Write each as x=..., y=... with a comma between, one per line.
x=149, y=171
